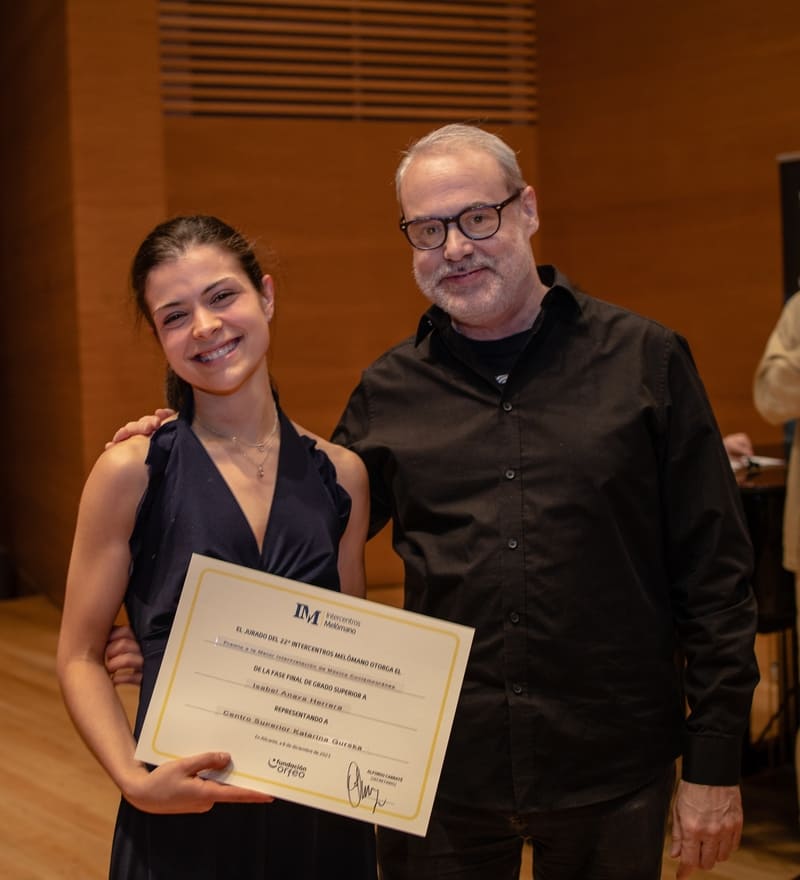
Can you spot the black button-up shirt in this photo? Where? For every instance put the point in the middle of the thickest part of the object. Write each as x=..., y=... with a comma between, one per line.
x=582, y=516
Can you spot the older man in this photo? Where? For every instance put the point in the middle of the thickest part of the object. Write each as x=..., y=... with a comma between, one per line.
x=555, y=479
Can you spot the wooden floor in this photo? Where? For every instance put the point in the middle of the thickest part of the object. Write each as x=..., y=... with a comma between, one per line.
x=57, y=807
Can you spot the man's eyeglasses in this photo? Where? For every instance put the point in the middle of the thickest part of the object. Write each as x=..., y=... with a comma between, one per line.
x=478, y=222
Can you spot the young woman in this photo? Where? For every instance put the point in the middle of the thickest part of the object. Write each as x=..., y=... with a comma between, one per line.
x=234, y=479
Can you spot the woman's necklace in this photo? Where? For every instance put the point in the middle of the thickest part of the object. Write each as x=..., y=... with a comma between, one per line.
x=263, y=446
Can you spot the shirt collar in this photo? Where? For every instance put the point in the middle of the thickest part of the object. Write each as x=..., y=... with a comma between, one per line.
x=560, y=296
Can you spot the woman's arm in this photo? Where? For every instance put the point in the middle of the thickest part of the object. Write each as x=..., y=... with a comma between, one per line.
x=96, y=583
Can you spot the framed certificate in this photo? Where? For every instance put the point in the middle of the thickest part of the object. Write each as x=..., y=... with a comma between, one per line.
x=321, y=698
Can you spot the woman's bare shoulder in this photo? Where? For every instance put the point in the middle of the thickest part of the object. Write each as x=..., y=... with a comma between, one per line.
x=122, y=467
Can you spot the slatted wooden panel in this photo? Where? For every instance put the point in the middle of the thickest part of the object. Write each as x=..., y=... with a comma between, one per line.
x=386, y=60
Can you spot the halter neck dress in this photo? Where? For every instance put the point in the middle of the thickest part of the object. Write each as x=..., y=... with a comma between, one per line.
x=188, y=507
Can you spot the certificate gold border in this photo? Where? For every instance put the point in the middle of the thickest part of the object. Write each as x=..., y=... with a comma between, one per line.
x=331, y=599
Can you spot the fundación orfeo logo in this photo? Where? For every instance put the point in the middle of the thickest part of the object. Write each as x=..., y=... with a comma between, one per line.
x=287, y=768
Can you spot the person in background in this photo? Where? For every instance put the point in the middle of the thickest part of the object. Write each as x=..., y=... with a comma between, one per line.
x=776, y=394
x=738, y=446
x=234, y=479
x=555, y=479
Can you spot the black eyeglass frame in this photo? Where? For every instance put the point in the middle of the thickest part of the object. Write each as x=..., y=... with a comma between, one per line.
x=456, y=218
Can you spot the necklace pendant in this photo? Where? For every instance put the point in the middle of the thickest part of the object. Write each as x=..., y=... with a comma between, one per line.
x=261, y=472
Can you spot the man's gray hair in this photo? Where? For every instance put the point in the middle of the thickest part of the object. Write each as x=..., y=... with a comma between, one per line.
x=457, y=137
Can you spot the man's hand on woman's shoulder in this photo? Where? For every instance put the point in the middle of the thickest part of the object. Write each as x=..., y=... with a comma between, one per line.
x=146, y=425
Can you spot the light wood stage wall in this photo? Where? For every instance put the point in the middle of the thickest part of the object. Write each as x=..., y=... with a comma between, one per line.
x=652, y=151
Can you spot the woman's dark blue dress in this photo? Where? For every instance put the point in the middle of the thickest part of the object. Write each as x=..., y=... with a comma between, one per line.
x=189, y=508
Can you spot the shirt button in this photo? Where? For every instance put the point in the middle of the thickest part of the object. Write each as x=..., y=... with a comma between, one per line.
x=507, y=406
x=517, y=688
x=514, y=617
x=513, y=543
x=510, y=474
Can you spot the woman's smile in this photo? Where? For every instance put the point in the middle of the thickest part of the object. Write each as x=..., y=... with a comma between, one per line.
x=207, y=357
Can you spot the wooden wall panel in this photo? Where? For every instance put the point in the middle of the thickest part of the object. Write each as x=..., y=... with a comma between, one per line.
x=659, y=129
x=40, y=461
x=82, y=177
x=118, y=185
